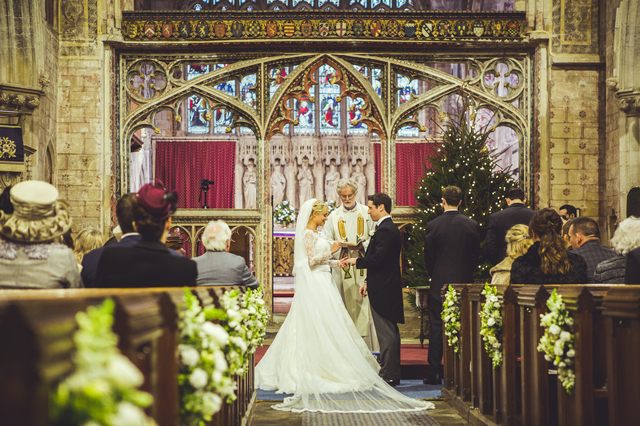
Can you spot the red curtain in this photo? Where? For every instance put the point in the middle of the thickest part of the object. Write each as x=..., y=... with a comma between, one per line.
x=181, y=166
x=409, y=160
x=377, y=147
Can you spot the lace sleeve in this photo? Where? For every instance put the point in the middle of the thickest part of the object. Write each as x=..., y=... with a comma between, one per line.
x=309, y=245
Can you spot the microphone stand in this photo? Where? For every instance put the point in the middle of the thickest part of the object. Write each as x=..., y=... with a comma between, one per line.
x=204, y=187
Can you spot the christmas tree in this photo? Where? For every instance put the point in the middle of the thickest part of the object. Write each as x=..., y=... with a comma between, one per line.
x=463, y=160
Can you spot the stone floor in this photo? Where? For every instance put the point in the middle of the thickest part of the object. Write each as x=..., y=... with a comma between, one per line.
x=264, y=415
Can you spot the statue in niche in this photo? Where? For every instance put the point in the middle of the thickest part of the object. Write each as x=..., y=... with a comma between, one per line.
x=249, y=186
x=359, y=177
x=330, y=183
x=278, y=184
x=305, y=180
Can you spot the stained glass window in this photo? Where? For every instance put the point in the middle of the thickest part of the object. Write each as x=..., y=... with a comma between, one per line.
x=362, y=70
x=271, y=1
x=407, y=88
x=247, y=90
x=249, y=8
x=221, y=120
x=304, y=113
x=376, y=75
x=197, y=7
x=278, y=76
x=276, y=8
x=353, y=114
x=375, y=3
x=218, y=66
x=322, y=2
x=408, y=132
x=329, y=104
x=295, y=2
x=194, y=71
x=198, y=111
x=228, y=86
x=362, y=2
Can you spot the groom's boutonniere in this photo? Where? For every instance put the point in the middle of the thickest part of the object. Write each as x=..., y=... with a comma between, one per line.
x=373, y=231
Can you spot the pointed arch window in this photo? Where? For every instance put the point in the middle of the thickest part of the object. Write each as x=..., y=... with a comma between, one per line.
x=323, y=2
x=353, y=114
x=247, y=90
x=406, y=89
x=278, y=75
x=198, y=115
x=360, y=2
x=222, y=120
x=304, y=115
x=375, y=3
x=376, y=76
x=329, y=101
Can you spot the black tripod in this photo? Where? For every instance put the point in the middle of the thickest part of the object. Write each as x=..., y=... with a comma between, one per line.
x=204, y=187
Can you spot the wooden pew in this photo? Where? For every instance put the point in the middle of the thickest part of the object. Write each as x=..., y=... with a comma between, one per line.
x=622, y=331
x=481, y=373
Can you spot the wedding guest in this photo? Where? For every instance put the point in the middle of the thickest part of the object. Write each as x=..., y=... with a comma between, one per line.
x=219, y=267
x=87, y=240
x=495, y=246
x=632, y=273
x=567, y=212
x=547, y=260
x=584, y=236
x=518, y=242
x=148, y=263
x=451, y=252
x=29, y=256
x=625, y=239
x=565, y=233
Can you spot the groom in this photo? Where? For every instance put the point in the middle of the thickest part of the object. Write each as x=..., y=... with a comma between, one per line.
x=383, y=284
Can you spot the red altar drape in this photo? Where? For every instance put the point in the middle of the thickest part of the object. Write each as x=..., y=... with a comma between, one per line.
x=409, y=160
x=181, y=166
x=377, y=147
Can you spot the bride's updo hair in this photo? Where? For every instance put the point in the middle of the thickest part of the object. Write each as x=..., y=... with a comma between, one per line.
x=319, y=207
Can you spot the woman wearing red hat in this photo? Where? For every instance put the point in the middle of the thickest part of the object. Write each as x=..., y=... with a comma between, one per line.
x=148, y=263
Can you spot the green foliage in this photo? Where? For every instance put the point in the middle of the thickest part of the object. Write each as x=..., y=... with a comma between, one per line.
x=462, y=160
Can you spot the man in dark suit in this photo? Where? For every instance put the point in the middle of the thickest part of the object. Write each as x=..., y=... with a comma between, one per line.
x=451, y=252
x=632, y=273
x=495, y=247
x=219, y=267
x=384, y=285
x=124, y=214
x=584, y=236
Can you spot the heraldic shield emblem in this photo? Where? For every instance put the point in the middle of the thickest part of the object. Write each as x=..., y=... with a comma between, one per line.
x=219, y=29
x=167, y=30
x=237, y=28
x=341, y=28
x=253, y=29
x=202, y=29
x=149, y=29
x=461, y=28
x=289, y=28
x=427, y=29
x=513, y=29
x=358, y=29
x=185, y=30
x=272, y=29
x=444, y=28
x=478, y=28
x=410, y=29
x=132, y=29
x=393, y=28
x=496, y=28
x=376, y=28
x=306, y=28
x=323, y=29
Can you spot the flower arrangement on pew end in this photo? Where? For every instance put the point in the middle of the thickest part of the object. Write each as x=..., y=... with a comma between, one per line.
x=491, y=325
x=204, y=376
x=451, y=318
x=103, y=389
x=284, y=214
x=557, y=343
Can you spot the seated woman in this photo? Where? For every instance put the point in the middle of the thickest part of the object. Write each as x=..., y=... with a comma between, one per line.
x=30, y=223
x=625, y=239
x=547, y=260
x=518, y=242
x=148, y=263
x=87, y=240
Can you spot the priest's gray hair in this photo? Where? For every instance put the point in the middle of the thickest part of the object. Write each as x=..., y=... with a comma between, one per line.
x=343, y=183
x=216, y=235
x=627, y=236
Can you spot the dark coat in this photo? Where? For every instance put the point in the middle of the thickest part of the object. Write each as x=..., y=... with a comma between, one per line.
x=451, y=250
x=90, y=260
x=147, y=264
x=495, y=247
x=594, y=253
x=382, y=262
x=526, y=269
x=632, y=275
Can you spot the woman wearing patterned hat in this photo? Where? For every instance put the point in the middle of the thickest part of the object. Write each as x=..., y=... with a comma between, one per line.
x=29, y=255
x=148, y=263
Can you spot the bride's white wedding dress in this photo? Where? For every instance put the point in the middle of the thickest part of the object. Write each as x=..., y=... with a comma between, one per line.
x=318, y=354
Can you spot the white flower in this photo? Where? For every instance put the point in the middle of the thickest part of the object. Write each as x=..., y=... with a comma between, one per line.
x=558, y=351
x=211, y=402
x=554, y=329
x=571, y=353
x=371, y=233
x=239, y=342
x=123, y=373
x=491, y=322
x=220, y=361
x=198, y=378
x=216, y=332
x=189, y=355
x=547, y=357
x=128, y=415
x=565, y=336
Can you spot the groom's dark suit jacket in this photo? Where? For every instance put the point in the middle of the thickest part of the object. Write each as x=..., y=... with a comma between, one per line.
x=382, y=262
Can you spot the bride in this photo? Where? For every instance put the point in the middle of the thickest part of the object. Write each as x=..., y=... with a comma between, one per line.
x=318, y=354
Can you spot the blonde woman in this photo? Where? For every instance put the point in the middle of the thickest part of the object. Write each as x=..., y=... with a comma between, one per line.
x=518, y=242
x=87, y=240
x=318, y=355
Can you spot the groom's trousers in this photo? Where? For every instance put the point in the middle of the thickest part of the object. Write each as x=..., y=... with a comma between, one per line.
x=389, y=339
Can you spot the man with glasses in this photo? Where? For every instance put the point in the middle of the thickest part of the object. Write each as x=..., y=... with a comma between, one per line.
x=350, y=223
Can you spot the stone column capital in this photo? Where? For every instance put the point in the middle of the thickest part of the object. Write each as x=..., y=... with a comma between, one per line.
x=629, y=102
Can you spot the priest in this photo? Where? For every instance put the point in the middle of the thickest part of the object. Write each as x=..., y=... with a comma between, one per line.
x=350, y=223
